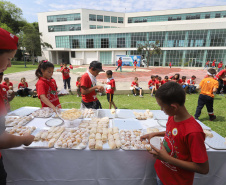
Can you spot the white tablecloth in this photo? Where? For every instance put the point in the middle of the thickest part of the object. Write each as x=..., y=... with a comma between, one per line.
x=85, y=167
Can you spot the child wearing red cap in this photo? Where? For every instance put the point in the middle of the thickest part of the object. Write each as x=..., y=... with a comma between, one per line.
x=46, y=86
x=8, y=47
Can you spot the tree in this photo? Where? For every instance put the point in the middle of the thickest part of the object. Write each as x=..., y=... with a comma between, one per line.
x=150, y=49
x=31, y=40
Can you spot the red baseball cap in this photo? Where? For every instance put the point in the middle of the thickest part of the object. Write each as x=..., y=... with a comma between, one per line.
x=8, y=40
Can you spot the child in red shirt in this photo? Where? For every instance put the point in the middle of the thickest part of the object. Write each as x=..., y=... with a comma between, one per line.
x=46, y=86
x=78, y=85
x=161, y=82
x=8, y=83
x=135, y=87
x=119, y=64
x=182, y=151
x=166, y=79
x=110, y=88
x=135, y=65
x=23, y=89
x=152, y=84
x=71, y=66
x=66, y=77
x=214, y=64
x=219, y=66
x=8, y=48
x=183, y=83
x=191, y=84
x=221, y=80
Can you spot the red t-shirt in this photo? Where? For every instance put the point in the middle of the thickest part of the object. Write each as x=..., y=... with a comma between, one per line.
x=4, y=95
x=71, y=66
x=185, y=141
x=78, y=84
x=162, y=82
x=49, y=89
x=220, y=65
x=170, y=64
x=135, y=63
x=134, y=83
x=119, y=63
x=112, y=83
x=10, y=84
x=180, y=81
x=65, y=73
x=21, y=85
x=153, y=82
x=221, y=74
x=190, y=81
x=207, y=63
x=213, y=64
x=86, y=82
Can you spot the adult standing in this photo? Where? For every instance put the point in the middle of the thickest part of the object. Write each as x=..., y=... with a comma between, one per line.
x=89, y=87
x=8, y=48
x=214, y=63
x=119, y=64
x=222, y=80
x=219, y=66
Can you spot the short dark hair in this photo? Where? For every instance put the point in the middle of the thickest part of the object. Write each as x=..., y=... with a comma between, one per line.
x=183, y=77
x=78, y=78
x=193, y=76
x=173, y=78
x=6, y=78
x=170, y=93
x=135, y=78
x=2, y=51
x=1, y=74
x=152, y=76
x=109, y=72
x=160, y=78
x=212, y=71
x=166, y=77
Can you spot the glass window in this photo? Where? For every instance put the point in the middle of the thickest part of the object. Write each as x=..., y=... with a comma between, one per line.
x=106, y=18
x=113, y=19
x=75, y=44
x=121, y=42
x=72, y=54
x=99, y=27
x=106, y=26
x=92, y=27
x=92, y=17
x=105, y=43
x=62, y=18
x=89, y=43
x=100, y=18
x=68, y=27
x=120, y=19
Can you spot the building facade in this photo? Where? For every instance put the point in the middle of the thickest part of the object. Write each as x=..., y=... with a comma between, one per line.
x=187, y=37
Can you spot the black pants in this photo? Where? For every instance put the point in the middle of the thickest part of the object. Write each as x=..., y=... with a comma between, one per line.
x=204, y=100
x=23, y=92
x=221, y=85
x=3, y=173
x=67, y=82
x=93, y=105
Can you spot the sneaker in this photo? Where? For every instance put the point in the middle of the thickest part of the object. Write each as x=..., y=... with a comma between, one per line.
x=141, y=96
x=212, y=117
x=77, y=95
x=151, y=94
x=134, y=94
x=196, y=118
x=116, y=107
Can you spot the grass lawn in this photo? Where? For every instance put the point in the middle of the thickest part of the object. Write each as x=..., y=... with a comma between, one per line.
x=18, y=66
x=131, y=102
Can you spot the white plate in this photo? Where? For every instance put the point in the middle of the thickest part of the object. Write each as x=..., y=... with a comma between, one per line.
x=23, y=111
x=162, y=122
x=158, y=114
x=127, y=124
x=124, y=114
x=104, y=113
x=54, y=122
x=217, y=142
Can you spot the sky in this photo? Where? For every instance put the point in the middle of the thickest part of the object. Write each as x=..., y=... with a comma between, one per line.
x=30, y=8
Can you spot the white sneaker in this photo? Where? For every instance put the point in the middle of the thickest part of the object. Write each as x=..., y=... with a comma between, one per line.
x=141, y=96
x=77, y=95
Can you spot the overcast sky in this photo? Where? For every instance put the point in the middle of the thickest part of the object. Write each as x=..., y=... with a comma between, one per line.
x=30, y=8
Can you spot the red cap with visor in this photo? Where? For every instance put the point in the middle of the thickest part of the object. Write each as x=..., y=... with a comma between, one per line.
x=8, y=40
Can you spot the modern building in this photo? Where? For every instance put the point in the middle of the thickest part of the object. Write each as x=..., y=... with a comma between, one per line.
x=187, y=37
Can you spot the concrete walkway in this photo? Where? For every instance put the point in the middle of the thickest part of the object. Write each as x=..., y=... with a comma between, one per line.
x=123, y=79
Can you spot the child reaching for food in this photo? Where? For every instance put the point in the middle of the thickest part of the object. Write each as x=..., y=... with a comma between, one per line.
x=182, y=151
x=46, y=85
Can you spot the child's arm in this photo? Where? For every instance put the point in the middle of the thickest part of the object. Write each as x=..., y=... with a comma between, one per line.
x=162, y=154
x=85, y=90
x=47, y=102
x=9, y=141
x=153, y=134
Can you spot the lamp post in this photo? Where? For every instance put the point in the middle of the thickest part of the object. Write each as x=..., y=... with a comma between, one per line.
x=23, y=52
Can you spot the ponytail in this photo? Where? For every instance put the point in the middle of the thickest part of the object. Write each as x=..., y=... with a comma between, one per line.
x=43, y=65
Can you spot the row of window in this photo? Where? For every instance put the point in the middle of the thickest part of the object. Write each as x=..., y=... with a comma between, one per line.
x=176, y=17
x=102, y=18
x=65, y=17
x=100, y=27
x=60, y=28
x=192, y=38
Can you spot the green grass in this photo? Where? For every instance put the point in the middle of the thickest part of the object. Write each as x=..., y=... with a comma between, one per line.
x=18, y=66
x=76, y=70
x=131, y=102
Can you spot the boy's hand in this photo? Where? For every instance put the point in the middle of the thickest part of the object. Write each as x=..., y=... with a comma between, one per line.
x=147, y=136
x=100, y=88
x=28, y=139
x=160, y=154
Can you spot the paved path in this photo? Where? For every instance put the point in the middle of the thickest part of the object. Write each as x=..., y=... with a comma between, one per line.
x=123, y=79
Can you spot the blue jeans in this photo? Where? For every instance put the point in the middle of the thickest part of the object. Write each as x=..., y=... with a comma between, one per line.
x=159, y=182
x=67, y=82
x=206, y=66
x=184, y=86
x=219, y=69
x=120, y=68
x=191, y=88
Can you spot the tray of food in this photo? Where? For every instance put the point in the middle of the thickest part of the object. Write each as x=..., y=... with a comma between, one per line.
x=23, y=111
x=158, y=114
x=44, y=112
x=73, y=138
x=95, y=122
x=214, y=140
x=89, y=113
x=143, y=114
x=20, y=130
x=104, y=139
x=129, y=124
x=46, y=138
x=11, y=121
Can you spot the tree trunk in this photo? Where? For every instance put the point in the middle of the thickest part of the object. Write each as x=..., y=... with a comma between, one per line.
x=33, y=58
